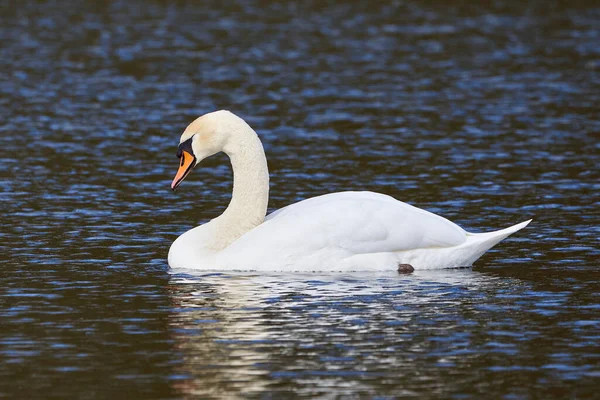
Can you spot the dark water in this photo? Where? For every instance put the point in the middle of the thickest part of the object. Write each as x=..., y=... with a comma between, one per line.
x=487, y=115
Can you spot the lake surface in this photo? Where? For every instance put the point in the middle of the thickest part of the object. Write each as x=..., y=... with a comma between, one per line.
x=487, y=115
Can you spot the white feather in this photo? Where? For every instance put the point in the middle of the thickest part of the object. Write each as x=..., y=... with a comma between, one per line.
x=347, y=231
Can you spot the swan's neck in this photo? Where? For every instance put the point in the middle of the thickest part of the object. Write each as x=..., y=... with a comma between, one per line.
x=248, y=205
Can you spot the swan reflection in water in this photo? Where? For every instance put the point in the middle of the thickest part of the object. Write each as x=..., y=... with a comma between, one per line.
x=244, y=333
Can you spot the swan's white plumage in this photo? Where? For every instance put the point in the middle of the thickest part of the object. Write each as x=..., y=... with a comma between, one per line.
x=345, y=231
x=333, y=228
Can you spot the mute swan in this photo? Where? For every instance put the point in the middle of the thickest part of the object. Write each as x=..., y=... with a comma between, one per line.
x=346, y=231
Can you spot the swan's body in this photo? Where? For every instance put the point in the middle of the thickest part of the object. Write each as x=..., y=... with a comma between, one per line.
x=347, y=231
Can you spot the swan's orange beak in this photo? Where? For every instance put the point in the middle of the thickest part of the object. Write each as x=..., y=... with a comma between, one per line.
x=187, y=162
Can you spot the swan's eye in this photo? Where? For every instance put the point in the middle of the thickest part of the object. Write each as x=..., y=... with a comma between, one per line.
x=185, y=146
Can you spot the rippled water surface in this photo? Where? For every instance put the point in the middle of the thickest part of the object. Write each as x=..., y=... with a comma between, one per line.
x=487, y=115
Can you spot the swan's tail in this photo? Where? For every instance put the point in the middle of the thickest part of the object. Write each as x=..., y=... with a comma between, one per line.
x=479, y=243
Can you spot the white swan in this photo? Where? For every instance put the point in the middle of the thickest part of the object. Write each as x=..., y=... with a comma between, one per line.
x=347, y=231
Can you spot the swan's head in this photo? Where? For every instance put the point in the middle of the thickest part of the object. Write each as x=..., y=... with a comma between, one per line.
x=204, y=137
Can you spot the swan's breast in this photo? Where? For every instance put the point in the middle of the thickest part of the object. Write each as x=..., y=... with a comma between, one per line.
x=187, y=251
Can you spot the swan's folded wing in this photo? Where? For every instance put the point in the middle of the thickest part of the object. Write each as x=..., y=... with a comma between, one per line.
x=346, y=224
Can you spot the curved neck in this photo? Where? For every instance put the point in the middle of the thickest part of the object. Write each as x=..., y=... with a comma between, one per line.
x=250, y=197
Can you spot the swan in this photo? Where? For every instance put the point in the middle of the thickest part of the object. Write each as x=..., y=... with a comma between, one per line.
x=345, y=231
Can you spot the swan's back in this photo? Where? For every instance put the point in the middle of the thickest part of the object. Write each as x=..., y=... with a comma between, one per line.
x=338, y=226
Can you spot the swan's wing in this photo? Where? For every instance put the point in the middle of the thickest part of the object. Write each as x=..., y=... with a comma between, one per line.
x=346, y=223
